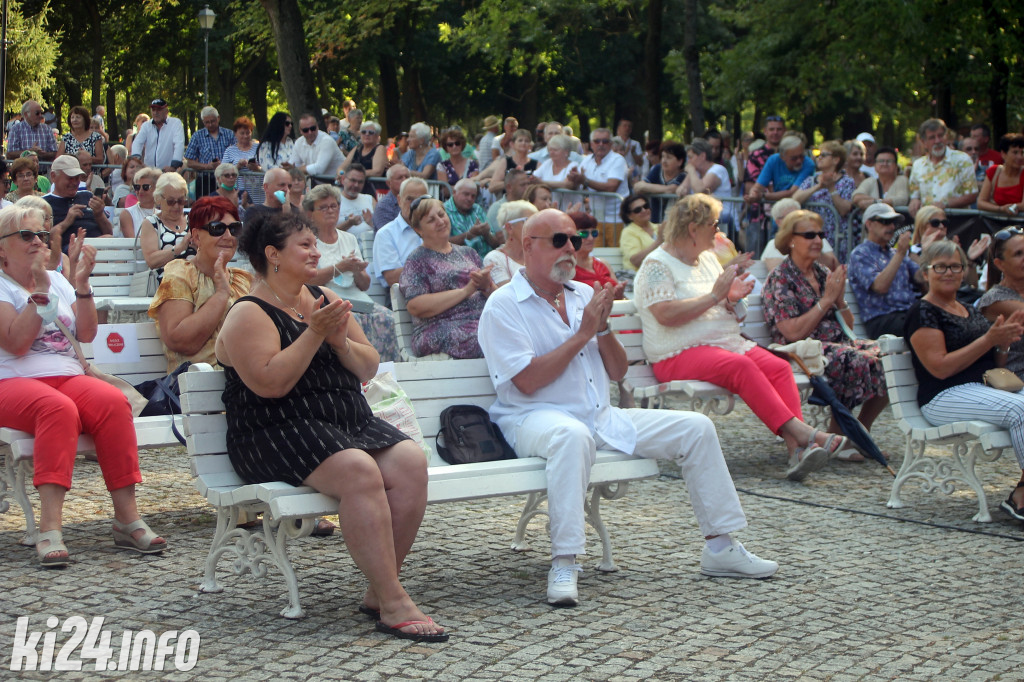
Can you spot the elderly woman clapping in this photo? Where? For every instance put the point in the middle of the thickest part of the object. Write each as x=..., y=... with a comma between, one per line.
x=43, y=388
x=444, y=285
x=688, y=307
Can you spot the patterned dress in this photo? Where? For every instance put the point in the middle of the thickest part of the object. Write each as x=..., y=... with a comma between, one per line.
x=454, y=330
x=854, y=369
x=845, y=187
x=287, y=438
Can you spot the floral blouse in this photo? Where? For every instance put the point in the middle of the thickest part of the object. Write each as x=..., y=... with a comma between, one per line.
x=787, y=294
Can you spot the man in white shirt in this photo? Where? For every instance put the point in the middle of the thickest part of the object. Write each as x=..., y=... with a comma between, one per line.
x=161, y=140
x=603, y=171
x=355, y=212
x=315, y=152
x=395, y=241
x=550, y=352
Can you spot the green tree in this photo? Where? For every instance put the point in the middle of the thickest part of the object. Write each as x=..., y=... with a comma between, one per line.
x=31, y=55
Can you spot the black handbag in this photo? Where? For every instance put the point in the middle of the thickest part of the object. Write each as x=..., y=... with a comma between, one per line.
x=164, y=397
x=468, y=435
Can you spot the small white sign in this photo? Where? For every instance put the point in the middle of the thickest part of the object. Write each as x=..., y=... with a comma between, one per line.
x=116, y=343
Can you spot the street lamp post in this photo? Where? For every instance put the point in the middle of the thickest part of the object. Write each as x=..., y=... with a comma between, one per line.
x=206, y=19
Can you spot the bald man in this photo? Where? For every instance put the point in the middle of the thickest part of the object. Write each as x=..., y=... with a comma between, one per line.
x=550, y=354
x=275, y=190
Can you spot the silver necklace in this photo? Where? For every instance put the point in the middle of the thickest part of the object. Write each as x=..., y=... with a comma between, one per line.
x=300, y=315
x=555, y=294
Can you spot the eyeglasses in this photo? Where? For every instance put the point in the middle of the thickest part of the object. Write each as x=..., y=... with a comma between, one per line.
x=942, y=268
x=217, y=228
x=327, y=208
x=825, y=155
x=368, y=132
x=640, y=208
x=601, y=140
x=171, y=201
x=559, y=239
x=29, y=235
x=1007, y=233
x=308, y=130
x=589, y=233
x=810, y=235
x=936, y=222
x=145, y=187
x=884, y=162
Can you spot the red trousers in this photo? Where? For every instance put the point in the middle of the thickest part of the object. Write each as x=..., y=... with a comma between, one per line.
x=764, y=381
x=56, y=410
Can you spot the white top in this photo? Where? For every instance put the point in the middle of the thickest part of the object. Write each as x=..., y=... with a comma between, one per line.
x=612, y=166
x=724, y=188
x=546, y=172
x=344, y=284
x=632, y=147
x=51, y=354
x=663, y=277
x=351, y=207
x=517, y=326
x=391, y=247
x=267, y=160
x=321, y=158
x=159, y=147
x=138, y=214
x=504, y=267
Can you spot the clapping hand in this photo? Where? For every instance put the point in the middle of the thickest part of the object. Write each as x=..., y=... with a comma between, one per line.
x=1005, y=331
x=723, y=285
x=835, y=286
x=741, y=286
x=221, y=278
x=978, y=247
x=742, y=261
x=326, y=321
x=75, y=246
x=595, y=313
x=481, y=279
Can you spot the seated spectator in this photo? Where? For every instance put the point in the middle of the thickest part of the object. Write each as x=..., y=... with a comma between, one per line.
x=355, y=213
x=554, y=172
x=370, y=155
x=1005, y=294
x=96, y=126
x=687, y=303
x=456, y=167
x=591, y=270
x=343, y=270
x=1003, y=189
x=516, y=182
x=349, y=133
x=195, y=295
x=445, y=286
x=546, y=131
x=640, y=236
x=772, y=257
x=44, y=391
x=296, y=188
x=882, y=277
x=387, y=208
x=889, y=187
x=551, y=353
x=134, y=130
x=664, y=178
x=941, y=177
x=144, y=183
x=783, y=171
x=931, y=225
x=396, y=240
x=73, y=208
x=164, y=236
x=969, y=146
x=422, y=158
x=124, y=196
x=23, y=172
x=952, y=346
x=91, y=182
x=58, y=261
x=803, y=300
x=704, y=175
x=506, y=260
x=518, y=159
x=287, y=341
x=116, y=155
x=539, y=195
x=468, y=220
x=79, y=136
x=42, y=182
x=830, y=186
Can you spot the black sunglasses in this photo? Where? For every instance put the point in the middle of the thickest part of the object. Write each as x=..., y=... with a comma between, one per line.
x=935, y=222
x=889, y=221
x=29, y=235
x=810, y=235
x=589, y=233
x=641, y=207
x=144, y=187
x=217, y=228
x=773, y=119
x=288, y=123
x=1007, y=233
x=309, y=129
x=559, y=239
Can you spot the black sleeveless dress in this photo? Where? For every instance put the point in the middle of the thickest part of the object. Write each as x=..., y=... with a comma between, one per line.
x=285, y=439
x=367, y=162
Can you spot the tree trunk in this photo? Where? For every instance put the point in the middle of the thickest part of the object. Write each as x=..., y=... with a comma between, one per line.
x=653, y=70
x=390, y=112
x=293, y=57
x=96, y=31
x=691, y=55
x=110, y=121
x=256, y=85
x=999, y=78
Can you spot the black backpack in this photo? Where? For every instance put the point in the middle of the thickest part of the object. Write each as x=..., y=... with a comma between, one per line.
x=467, y=435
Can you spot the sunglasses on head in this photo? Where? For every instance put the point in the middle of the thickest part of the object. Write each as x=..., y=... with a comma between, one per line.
x=1007, y=233
x=810, y=235
x=217, y=228
x=773, y=119
x=559, y=239
x=143, y=187
x=416, y=203
x=641, y=207
x=29, y=235
x=589, y=233
x=309, y=129
x=936, y=222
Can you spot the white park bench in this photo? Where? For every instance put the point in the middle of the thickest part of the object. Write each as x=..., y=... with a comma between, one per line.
x=432, y=386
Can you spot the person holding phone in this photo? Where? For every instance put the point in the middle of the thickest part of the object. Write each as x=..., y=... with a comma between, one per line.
x=73, y=208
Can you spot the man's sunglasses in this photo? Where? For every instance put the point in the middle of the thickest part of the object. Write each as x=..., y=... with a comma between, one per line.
x=889, y=221
x=640, y=208
x=309, y=129
x=589, y=233
x=29, y=235
x=217, y=228
x=810, y=235
x=559, y=239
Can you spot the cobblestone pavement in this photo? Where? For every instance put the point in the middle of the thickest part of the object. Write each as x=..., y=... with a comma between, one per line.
x=879, y=596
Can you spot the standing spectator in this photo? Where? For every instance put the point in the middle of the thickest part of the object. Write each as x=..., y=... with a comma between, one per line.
x=96, y=126
x=942, y=177
x=468, y=221
x=456, y=167
x=276, y=142
x=981, y=134
x=502, y=143
x=73, y=209
x=422, y=158
x=355, y=209
x=206, y=150
x=1003, y=190
x=243, y=154
x=634, y=154
x=315, y=152
x=664, y=178
x=161, y=140
x=31, y=133
x=603, y=171
x=387, y=208
x=483, y=150
x=79, y=136
x=830, y=186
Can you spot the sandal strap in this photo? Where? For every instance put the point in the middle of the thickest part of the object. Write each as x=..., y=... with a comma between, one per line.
x=147, y=538
x=56, y=540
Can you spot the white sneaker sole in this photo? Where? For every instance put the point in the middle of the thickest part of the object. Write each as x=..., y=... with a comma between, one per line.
x=713, y=573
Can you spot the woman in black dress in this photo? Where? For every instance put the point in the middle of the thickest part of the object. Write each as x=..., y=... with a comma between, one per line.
x=294, y=358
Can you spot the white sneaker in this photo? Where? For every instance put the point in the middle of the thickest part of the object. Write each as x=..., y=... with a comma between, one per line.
x=562, y=585
x=735, y=562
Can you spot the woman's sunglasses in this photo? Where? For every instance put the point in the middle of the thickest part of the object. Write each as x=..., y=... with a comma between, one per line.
x=171, y=201
x=641, y=207
x=217, y=228
x=1007, y=233
x=29, y=235
x=810, y=235
x=589, y=233
x=143, y=188
x=936, y=222
x=559, y=239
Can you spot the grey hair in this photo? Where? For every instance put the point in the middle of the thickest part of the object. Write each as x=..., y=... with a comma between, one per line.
x=407, y=184
x=172, y=180
x=702, y=146
x=321, y=191
x=209, y=111
x=223, y=168
x=512, y=210
x=32, y=201
x=420, y=130
x=943, y=248
x=147, y=172
x=13, y=217
x=24, y=107
x=790, y=142
x=393, y=169
x=465, y=182
x=930, y=125
x=561, y=141
x=371, y=124
x=783, y=207
x=595, y=131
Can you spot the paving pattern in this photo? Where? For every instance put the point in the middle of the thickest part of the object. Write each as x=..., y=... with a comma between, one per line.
x=858, y=596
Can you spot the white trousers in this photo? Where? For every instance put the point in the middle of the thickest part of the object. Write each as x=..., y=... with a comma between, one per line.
x=570, y=449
